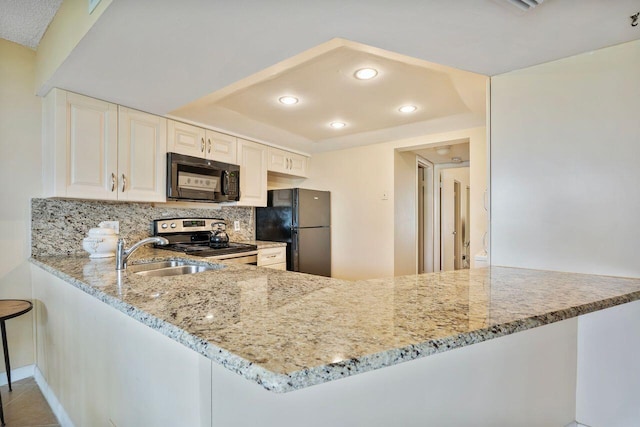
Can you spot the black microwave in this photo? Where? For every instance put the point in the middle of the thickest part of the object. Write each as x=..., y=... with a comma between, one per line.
x=201, y=180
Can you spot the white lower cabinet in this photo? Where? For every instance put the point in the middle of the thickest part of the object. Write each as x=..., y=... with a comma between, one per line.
x=252, y=158
x=96, y=150
x=275, y=258
x=107, y=369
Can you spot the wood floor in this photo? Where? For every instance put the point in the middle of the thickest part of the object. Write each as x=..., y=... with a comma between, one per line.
x=25, y=406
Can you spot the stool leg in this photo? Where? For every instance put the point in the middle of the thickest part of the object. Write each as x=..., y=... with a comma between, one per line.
x=6, y=353
x=1, y=411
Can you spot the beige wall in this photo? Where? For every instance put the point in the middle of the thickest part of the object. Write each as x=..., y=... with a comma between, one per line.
x=20, y=164
x=565, y=148
x=71, y=23
x=405, y=213
x=364, y=225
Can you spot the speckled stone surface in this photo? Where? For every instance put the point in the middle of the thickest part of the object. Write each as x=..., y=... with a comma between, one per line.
x=58, y=226
x=262, y=244
x=286, y=331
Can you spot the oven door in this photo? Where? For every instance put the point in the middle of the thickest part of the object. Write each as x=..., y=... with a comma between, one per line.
x=249, y=257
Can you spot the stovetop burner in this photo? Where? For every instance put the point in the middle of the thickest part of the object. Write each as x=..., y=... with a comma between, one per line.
x=203, y=249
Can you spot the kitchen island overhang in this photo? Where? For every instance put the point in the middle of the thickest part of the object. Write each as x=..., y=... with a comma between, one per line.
x=288, y=331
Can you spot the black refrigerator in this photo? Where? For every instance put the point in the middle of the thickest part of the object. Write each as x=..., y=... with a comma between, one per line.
x=302, y=219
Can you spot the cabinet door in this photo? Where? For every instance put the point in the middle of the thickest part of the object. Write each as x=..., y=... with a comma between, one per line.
x=142, y=148
x=186, y=139
x=298, y=165
x=253, y=173
x=287, y=163
x=221, y=147
x=91, y=147
x=278, y=161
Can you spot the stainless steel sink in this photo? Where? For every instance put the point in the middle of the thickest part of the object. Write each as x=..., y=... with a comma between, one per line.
x=168, y=268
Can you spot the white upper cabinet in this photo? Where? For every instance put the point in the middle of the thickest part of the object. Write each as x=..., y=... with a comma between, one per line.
x=92, y=152
x=221, y=147
x=81, y=147
x=142, y=142
x=198, y=142
x=285, y=162
x=186, y=139
x=252, y=158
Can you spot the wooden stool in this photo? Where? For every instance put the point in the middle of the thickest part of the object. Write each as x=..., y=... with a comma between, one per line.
x=10, y=308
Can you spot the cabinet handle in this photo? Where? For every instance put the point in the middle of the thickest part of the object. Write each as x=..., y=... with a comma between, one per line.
x=209, y=148
x=202, y=144
x=124, y=182
x=113, y=181
x=288, y=163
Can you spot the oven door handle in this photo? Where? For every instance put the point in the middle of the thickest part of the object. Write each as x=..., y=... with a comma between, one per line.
x=234, y=255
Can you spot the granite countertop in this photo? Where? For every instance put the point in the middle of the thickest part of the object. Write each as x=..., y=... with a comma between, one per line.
x=262, y=244
x=288, y=331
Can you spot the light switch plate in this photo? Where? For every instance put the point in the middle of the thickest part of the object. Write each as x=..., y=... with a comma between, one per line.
x=236, y=225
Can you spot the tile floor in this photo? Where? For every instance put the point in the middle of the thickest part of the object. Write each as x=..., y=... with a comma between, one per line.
x=25, y=406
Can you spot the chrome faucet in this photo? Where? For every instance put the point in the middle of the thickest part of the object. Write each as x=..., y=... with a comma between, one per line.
x=122, y=254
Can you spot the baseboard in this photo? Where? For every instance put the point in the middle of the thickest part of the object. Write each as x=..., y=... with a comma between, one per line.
x=54, y=403
x=17, y=374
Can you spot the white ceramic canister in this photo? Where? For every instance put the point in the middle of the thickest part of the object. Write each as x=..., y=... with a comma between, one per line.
x=101, y=243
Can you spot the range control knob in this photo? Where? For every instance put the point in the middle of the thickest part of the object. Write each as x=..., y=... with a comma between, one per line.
x=164, y=225
x=173, y=225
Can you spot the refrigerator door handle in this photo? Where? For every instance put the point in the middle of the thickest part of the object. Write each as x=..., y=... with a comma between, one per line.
x=294, y=250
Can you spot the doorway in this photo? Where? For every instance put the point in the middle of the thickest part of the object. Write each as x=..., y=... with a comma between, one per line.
x=443, y=207
x=425, y=217
x=454, y=218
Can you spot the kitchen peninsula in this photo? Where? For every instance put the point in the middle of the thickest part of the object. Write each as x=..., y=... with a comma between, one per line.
x=285, y=332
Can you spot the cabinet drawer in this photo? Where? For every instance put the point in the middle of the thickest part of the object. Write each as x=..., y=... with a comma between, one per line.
x=271, y=256
x=279, y=266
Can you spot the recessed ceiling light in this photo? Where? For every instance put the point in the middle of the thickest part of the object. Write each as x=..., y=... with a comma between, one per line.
x=288, y=100
x=443, y=150
x=365, y=73
x=337, y=125
x=407, y=108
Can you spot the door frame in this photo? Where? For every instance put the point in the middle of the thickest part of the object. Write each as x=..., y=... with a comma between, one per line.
x=437, y=247
x=429, y=225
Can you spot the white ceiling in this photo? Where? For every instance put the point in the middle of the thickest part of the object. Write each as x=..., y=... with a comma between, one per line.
x=160, y=55
x=323, y=81
x=25, y=21
x=456, y=149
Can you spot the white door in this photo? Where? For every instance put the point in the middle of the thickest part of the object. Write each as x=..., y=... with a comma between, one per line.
x=142, y=142
x=253, y=173
x=186, y=139
x=221, y=147
x=91, y=144
x=447, y=221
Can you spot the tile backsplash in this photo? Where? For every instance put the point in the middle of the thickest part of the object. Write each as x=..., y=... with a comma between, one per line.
x=59, y=225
